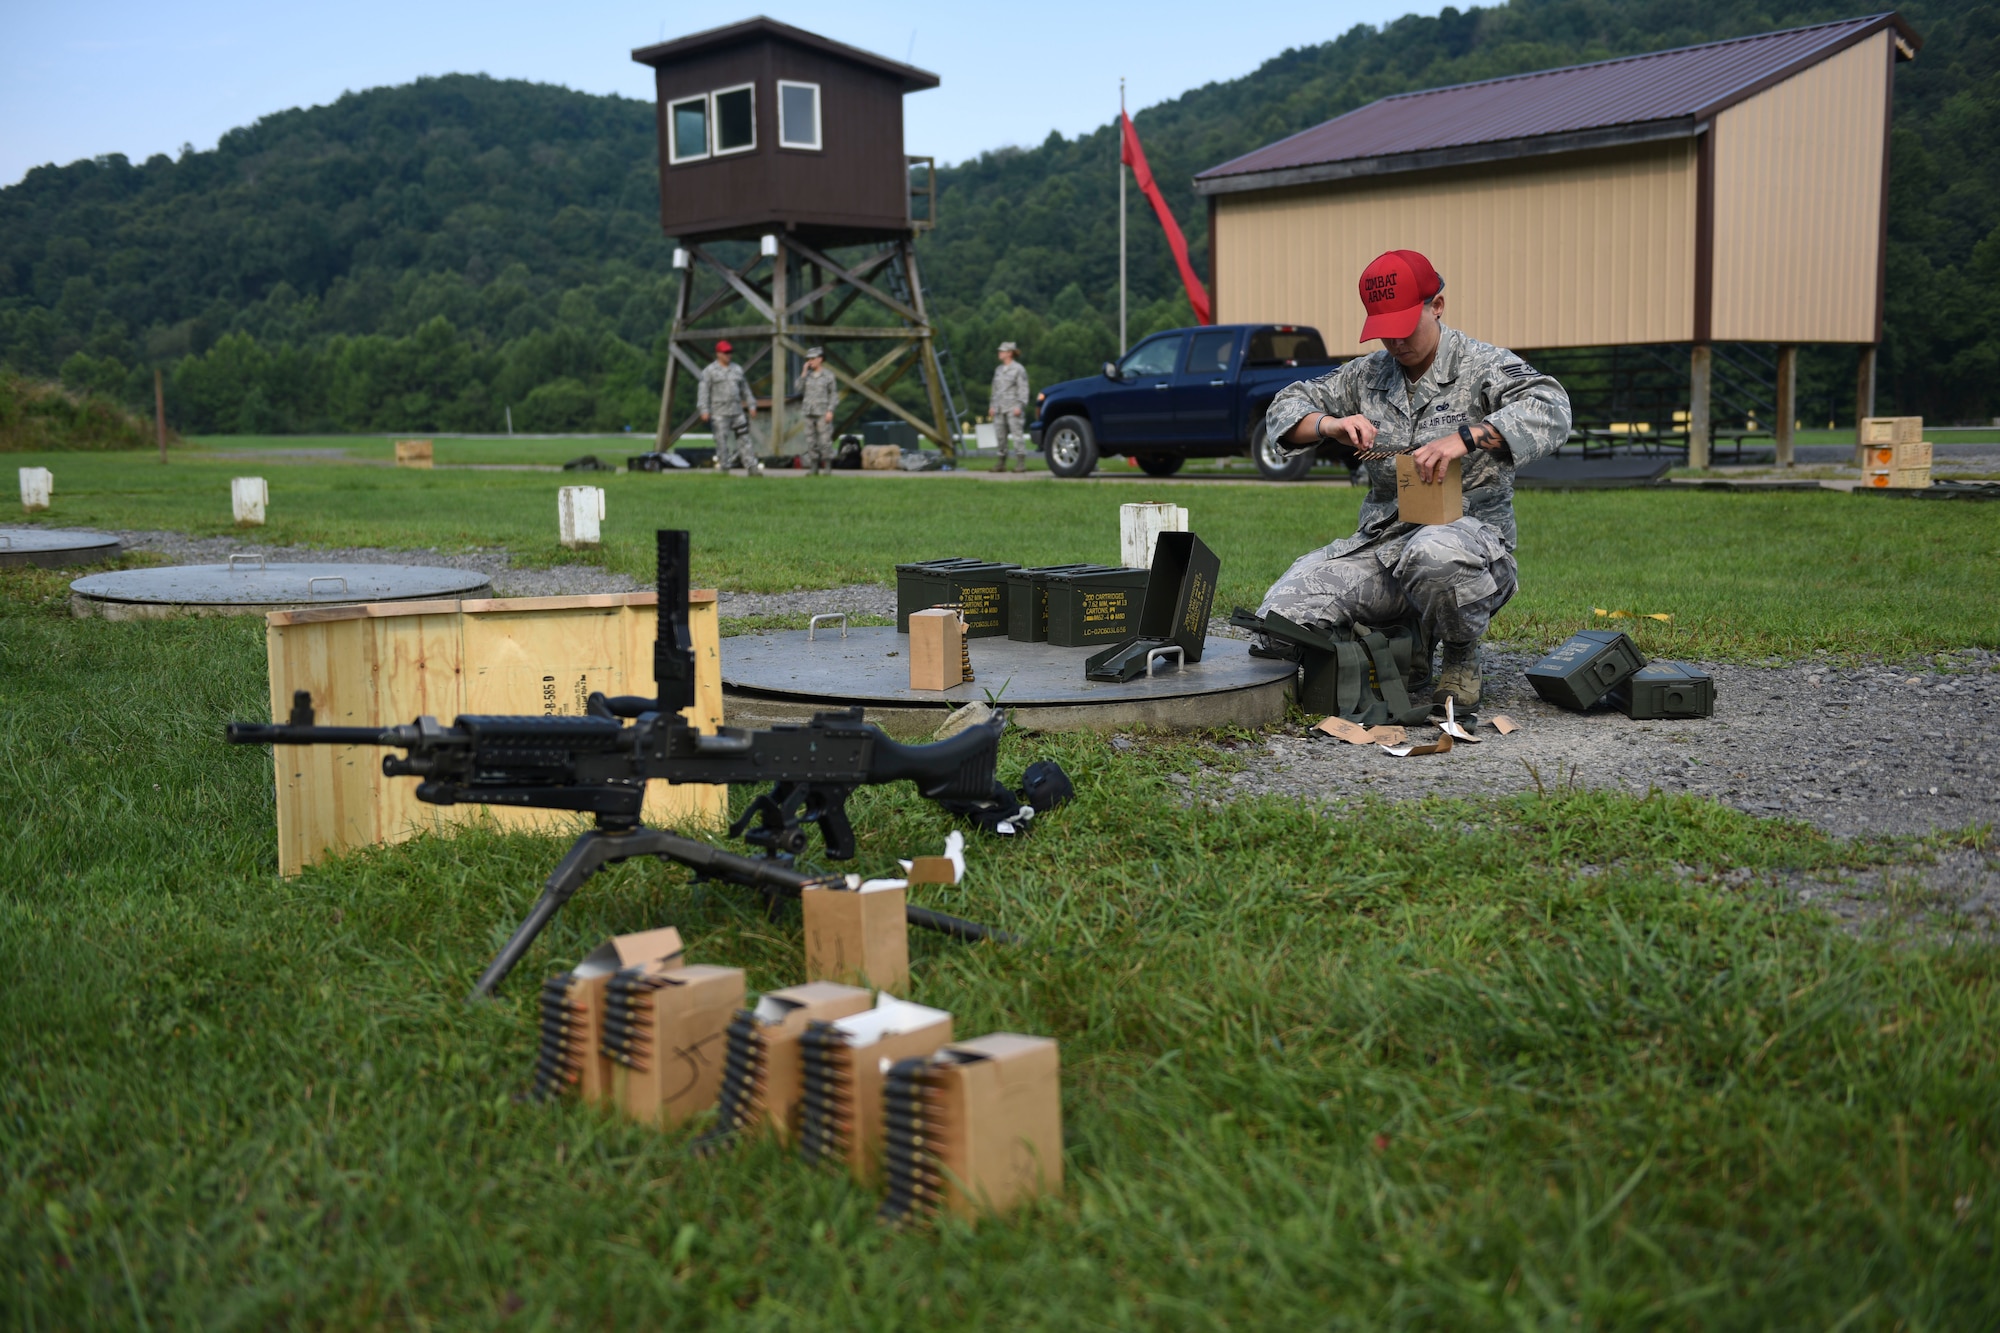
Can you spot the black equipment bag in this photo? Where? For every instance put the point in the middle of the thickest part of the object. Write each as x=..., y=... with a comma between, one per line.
x=1360, y=676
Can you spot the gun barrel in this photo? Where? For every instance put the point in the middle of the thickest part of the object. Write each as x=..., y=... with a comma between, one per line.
x=278, y=733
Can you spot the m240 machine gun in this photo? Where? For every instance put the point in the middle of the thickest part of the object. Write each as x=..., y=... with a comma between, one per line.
x=601, y=762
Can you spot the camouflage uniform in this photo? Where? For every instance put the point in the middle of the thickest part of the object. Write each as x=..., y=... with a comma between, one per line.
x=1009, y=404
x=1453, y=576
x=724, y=394
x=821, y=392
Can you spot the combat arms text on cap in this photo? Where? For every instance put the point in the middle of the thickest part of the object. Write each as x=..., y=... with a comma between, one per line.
x=1393, y=291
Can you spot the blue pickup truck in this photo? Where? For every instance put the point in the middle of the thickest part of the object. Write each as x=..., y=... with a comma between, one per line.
x=1185, y=393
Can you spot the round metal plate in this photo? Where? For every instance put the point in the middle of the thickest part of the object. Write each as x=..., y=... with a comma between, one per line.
x=54, y=548
x=247, y=585
x=782, y=676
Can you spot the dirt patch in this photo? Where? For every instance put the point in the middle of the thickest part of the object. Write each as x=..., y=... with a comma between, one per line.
x=1953, y=897
x=1870, y=748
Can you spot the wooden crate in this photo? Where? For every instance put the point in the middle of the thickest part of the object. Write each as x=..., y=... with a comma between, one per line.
x=413, y=453
x=1901, y=478
x=1896, y=455
x=1891, y=430
x=390, y=662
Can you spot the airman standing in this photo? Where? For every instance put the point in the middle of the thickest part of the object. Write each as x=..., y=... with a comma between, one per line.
x=1009, y=405
x=723, y=396
x=821, y=394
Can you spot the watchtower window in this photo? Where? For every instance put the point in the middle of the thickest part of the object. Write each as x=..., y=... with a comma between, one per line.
x=735, y=119
x=688, y=129
x=798, y=115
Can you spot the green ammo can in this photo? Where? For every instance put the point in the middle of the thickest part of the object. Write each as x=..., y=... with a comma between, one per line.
x=921, y=586
x=1096, y=608
x=1028, y=600
x=1589, y=665
x=1665, y=689
x=977, y=586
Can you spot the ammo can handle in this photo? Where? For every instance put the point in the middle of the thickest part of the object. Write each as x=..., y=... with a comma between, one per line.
x=1171, y=650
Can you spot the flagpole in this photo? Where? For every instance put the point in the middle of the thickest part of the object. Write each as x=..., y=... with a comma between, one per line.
x=1122, y=344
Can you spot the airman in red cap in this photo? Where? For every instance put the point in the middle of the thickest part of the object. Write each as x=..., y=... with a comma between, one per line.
x=1438, y=395
x=723, y=397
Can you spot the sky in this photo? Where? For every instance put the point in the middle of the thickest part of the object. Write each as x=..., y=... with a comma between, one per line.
x=90, y=77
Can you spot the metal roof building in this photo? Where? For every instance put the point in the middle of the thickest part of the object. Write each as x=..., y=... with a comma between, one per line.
x=1729, y=192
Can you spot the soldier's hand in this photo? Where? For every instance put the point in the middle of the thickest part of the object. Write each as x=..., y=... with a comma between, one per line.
x=1433, y=458
x=1359, y=430
x=704, y=416
x=829, y=418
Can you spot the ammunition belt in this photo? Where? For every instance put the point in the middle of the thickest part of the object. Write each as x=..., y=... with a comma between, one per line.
x=909, y=1145
x=742, y=1097
x=628, y=1028
x=564, y=1043
x=826, y=1094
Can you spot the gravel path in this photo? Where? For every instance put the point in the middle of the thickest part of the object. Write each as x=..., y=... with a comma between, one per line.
x=1855, y=749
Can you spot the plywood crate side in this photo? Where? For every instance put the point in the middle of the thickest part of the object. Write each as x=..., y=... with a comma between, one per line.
x=1891, y=430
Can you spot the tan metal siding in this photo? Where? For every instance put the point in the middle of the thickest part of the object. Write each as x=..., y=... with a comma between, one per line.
x=1798, y=197
x=1578, y=251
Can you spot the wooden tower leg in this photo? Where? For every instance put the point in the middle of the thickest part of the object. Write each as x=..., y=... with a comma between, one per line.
x=781, y=263
x=663, y=437
x=933, y=371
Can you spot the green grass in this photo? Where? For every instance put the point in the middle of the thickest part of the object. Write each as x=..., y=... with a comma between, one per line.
x=1744, y=575
x=1497, y=1064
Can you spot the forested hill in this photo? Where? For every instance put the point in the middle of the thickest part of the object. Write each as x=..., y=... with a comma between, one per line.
x=422, y=257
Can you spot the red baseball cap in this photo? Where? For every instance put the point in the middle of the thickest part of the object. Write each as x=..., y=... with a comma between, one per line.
x=724, y=346
x=1393, y=291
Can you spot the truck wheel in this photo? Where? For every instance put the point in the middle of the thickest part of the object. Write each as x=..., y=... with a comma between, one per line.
x=1160, y=465
x=1272, y=462
x=1071, y=447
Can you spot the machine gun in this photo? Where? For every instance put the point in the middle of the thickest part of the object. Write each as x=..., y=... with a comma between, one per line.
x=600, y=765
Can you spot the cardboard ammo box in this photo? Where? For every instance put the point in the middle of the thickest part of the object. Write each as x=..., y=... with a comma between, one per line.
x=1093, y=608
x=1418, y=501
x=937, y=649
x=1180, y=594
x=572, y=1012
x=678, y=1031
x=881, y=458
x=1892, y=456
x=842, y=1066
x=978, y=587
x=858, y=935
x=1665, y=689
x=977, y=1127
x=1028, y=600
x=760, y=1074
x=1589, y=665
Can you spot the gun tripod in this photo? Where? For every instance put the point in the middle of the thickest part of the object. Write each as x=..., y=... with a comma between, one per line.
x=616, y=839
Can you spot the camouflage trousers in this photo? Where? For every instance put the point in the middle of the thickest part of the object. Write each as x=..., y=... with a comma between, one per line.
x=1011, y=436
x=732, y=437
x=1452, y=577
x=816, y=450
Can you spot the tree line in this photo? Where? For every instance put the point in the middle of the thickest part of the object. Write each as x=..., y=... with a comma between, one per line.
x=439, y=255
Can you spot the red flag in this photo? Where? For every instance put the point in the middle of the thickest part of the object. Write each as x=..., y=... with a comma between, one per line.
x=1133, y=156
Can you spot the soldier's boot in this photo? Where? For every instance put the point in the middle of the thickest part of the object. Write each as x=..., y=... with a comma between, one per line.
x=1459, y=677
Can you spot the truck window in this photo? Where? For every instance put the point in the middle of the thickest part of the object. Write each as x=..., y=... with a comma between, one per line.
x=1155, y=356
x=1212, y=353
x=1278, y=346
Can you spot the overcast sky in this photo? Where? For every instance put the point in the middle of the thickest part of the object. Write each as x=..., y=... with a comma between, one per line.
x=89, y=77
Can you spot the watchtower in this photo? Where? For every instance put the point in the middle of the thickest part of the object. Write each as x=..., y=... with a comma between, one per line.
x=778, y=135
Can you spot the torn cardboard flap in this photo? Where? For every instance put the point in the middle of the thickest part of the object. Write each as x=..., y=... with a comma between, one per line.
x=621, y=951
x=1503, y=724
x=946, y=869
x=1442, y=745
x=1356, y=734
x=890, y=1017
x=1450, y=726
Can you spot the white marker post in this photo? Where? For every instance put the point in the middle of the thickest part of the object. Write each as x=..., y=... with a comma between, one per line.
x=579, y=511
x=247, y=497
x=38, y=487
x=1139, y=529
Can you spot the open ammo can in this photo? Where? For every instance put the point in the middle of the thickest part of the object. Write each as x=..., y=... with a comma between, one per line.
x=1094, y=608
x=1589, y=665
x=1665, y=689
x=1028, y=599
x=1180, y=593
x=979, y=587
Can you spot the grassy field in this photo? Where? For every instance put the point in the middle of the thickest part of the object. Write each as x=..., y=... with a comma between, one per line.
x=1743, y=575
x=1541, y=1062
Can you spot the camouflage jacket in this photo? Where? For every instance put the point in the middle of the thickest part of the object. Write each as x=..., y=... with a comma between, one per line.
x=1468, y=382
x=1010, y=388
x=820, y=390
x=722, y=391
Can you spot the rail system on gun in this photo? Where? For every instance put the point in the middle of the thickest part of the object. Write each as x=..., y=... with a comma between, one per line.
x=600, y=763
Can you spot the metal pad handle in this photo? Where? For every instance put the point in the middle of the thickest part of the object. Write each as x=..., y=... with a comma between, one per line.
x=812, y=626
x=325, y=578
x=246, y=559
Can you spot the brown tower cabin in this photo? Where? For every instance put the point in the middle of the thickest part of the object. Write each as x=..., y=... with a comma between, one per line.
x=778, y=135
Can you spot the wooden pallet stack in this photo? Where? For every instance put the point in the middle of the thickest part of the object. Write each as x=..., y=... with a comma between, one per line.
x=1894, y=454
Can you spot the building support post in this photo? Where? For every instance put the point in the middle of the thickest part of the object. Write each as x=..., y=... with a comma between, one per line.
x=1788, y=403
x=663, y=437
x=1864, y=393
x=1700, y=427
x=781, y=263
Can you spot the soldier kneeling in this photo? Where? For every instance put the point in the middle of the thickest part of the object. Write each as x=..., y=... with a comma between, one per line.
x=1437, y=394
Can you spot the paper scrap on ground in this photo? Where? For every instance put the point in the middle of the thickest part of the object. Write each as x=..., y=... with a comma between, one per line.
x=946, y=869
x=1451, y=727
x=1356, y=734
x=1442, y=745
x=1503, y=724
x=1633, y=615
